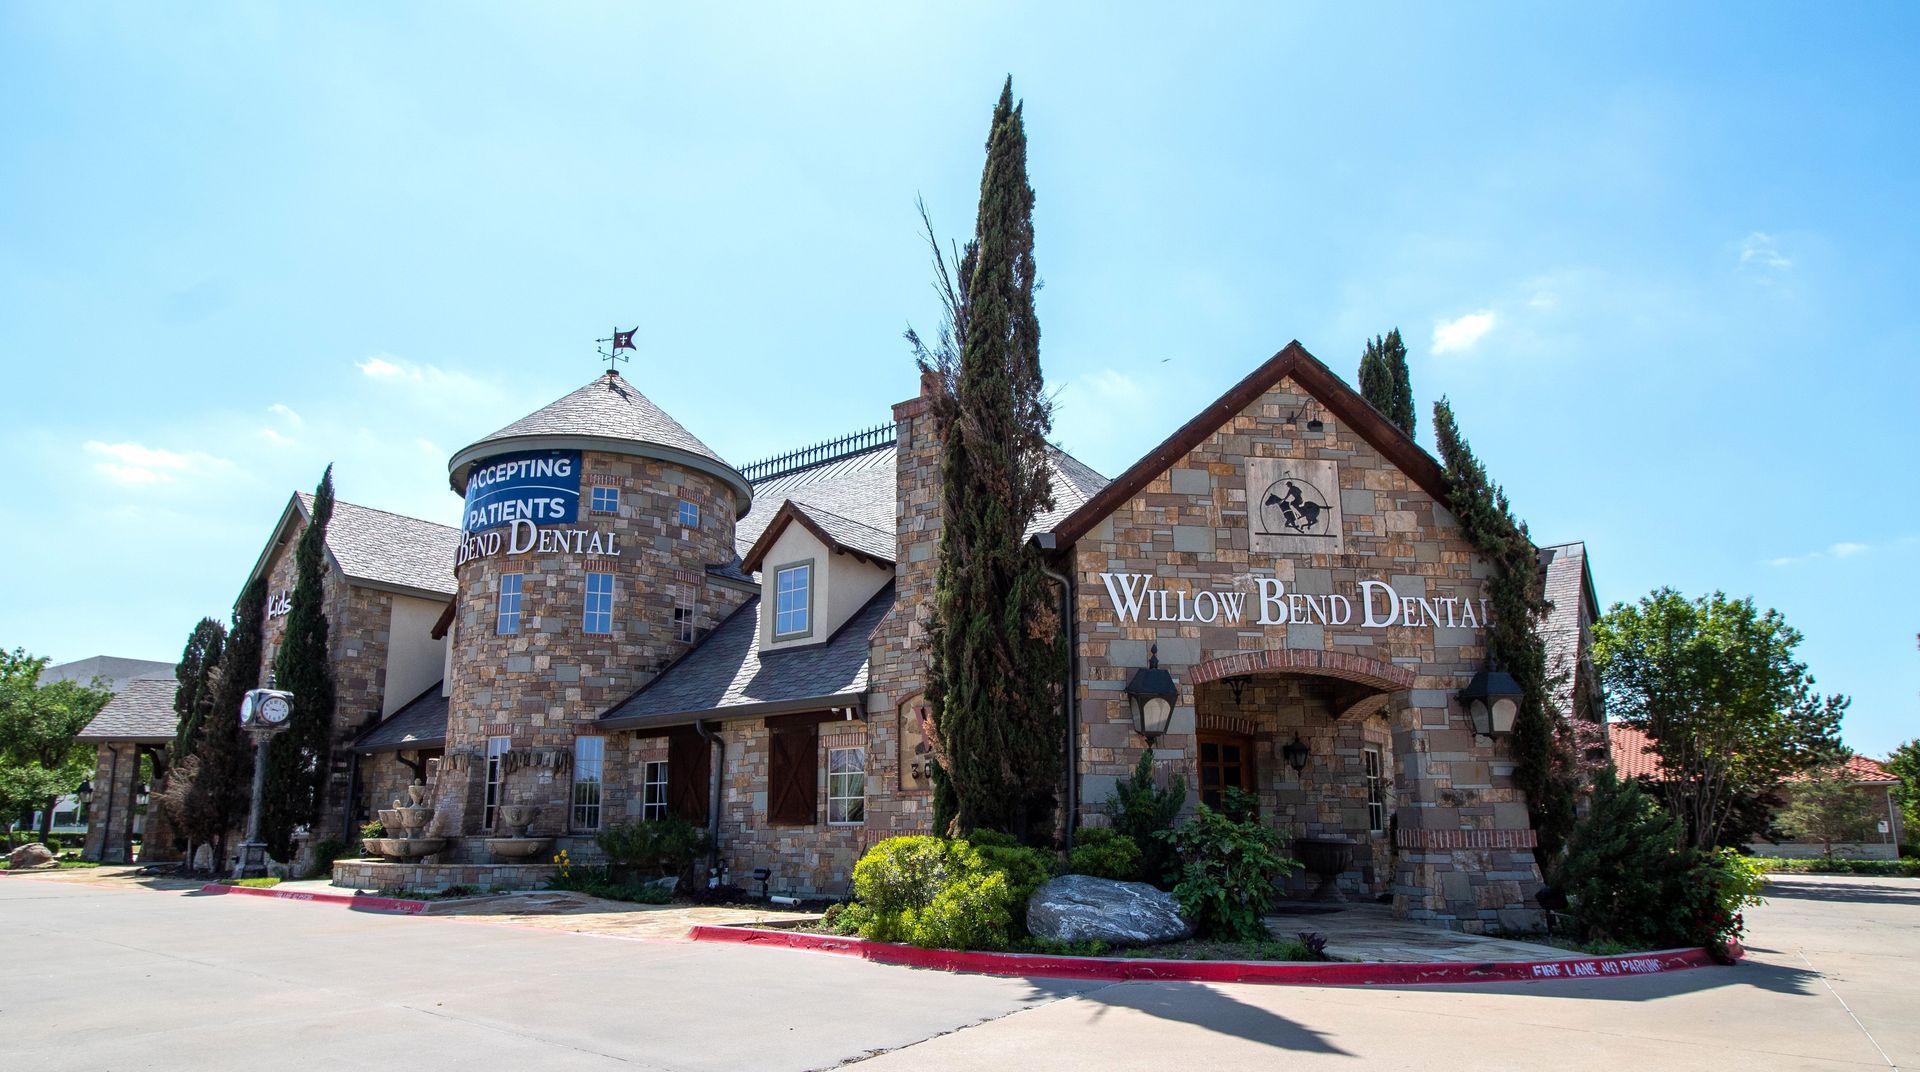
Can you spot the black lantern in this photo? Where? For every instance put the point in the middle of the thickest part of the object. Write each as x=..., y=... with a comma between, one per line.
x=1492, y=699
x=1295, y=752
x=1238, y=683
x=1153, y=692
x=84, y=794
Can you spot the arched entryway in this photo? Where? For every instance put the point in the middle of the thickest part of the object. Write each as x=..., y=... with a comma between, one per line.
x=1328, y=712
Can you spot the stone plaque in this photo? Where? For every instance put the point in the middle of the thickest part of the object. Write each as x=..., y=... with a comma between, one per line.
x=915, y=750
x=1293, y=507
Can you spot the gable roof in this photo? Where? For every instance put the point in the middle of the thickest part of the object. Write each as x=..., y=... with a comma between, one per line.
x=142, y=713
x=1318, y=381
x=842, y=535
x=607, y=414
x=727, y=676
x=1634, y=757
x=115, y=670
x=373, y=547
x=419, y=723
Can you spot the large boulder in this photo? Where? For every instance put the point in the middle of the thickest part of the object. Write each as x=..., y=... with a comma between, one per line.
x=1081, y=908
x=32, y=854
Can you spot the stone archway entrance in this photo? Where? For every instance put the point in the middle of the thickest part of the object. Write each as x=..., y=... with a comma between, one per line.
x=1249, y=707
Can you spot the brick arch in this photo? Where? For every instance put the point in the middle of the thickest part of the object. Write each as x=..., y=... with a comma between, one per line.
x=1358, y=669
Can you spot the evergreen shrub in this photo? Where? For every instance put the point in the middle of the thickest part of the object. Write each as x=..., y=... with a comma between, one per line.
x=1024, y=867
x=930, y=892
x=1145, y=812
x=654, y=847
x=1104, y=853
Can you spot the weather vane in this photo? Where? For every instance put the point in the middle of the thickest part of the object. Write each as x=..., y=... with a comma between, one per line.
x=621, y=340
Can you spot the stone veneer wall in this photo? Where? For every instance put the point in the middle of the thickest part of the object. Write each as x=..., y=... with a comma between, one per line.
x=548, y=683
x=1463, y=843
x=110, y=830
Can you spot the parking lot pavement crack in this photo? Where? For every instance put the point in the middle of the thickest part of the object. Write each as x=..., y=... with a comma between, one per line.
x=867, y=1055
x=1824, y=981
x=530, y=1036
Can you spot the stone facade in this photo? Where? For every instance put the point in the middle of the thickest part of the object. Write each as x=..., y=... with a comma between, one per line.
x=390, y=877
x=548, y=683
x=110, y=819
x=1461, y=851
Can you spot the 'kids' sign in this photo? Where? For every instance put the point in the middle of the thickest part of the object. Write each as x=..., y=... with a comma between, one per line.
x=538, y=486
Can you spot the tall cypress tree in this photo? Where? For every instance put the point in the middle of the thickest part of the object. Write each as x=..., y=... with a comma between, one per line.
x=996, y=649
x=207, y=794
x=299, y=757
x=1385, y=382
x=1541, y=745
x=194, y=696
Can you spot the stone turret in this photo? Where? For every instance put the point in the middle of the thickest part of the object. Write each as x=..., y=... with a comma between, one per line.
x=589, y=527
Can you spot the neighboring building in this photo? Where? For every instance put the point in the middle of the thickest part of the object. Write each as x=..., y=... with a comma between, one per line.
x=1634, y=757
x=137, y=723
x=113, y=673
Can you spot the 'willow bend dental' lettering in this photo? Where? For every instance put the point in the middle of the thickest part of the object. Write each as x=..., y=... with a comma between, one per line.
x=522, y=537
x=1136, y=599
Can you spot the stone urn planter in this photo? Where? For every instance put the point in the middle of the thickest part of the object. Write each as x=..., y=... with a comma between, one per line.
x=1325, y=859
x=518, y=818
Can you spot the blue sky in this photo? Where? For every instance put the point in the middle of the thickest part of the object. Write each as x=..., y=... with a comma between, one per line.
x=1663, y=262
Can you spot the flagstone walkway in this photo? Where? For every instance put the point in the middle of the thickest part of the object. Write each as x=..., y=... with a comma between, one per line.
x=1368, y=932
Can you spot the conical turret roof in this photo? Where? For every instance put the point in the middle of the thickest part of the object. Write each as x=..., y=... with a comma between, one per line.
x=608, y=414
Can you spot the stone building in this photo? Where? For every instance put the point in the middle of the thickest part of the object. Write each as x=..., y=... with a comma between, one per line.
x=638, y=628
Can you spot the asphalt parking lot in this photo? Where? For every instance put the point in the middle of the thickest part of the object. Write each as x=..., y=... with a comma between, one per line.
x=115, y=978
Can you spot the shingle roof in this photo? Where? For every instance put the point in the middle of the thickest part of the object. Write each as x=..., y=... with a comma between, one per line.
x=727, y=676
x=840, y=534
x=142, y=712
x=113, y=669
x=1634, y=757
x=388, y=548
x=420, y=723
x=862, y=489
x=608, y=408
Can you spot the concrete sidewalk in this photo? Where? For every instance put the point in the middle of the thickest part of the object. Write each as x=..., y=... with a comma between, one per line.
x=1368, y=932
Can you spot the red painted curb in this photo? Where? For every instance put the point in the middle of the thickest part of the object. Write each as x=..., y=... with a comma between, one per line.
x=1292, y=973
x=376, y=904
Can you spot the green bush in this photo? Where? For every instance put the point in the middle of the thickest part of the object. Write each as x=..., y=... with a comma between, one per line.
x=600, y=882
x=1630, y=880
x=256, y=883
x=1104, y=853
x=324, y=854
x=930, y=892
x=654, y=847
x=1145, y=812
x=1228, y=869
x=52, y=843
x=374, y=829
x=1024, y=867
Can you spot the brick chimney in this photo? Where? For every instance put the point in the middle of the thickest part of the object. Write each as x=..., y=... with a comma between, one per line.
x=917, y=528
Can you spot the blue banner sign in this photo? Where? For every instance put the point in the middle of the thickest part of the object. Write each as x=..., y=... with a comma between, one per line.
x=537, y=486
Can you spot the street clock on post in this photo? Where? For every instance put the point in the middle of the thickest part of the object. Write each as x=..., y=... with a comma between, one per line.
x=265, y=709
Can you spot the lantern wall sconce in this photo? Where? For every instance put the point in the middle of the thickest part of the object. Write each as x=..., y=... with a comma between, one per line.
x=1295, y=752
x=1492, y=699
x=1153, y=693
x=1238, y=683
x=85, y=793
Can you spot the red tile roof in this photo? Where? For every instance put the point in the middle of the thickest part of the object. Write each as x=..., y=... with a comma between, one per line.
x=1634, y=757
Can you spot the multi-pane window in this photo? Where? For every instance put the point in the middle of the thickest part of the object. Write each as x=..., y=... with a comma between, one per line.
x=496, y=758
x=605, y=500
x=509, y=619
x=683, y=618
x=846, y=785
x=689, y=514
x=588, y=756
x=1376, y=791
x=653, y=791
x=793, y=601
x=599, y=603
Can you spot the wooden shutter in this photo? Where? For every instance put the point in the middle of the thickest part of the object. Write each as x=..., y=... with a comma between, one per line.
x=689, y=771
x=793, y=775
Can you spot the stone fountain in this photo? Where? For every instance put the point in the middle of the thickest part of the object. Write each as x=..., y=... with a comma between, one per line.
x=412, y=820
x=518, y=846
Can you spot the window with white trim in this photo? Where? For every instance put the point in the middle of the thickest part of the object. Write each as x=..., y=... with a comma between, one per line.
x=846, y=786
x=599, y=618
x=509, y=617
x=589, y=754
x=683, y=617
x=689, y=514
x=1376, y=791
x=496, y=759
x=653, y=790
x=605, y=500
x=793, y=601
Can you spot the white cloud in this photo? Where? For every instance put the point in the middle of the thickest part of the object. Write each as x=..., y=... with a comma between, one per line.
x=380, y=368
x=286, y=413
x=276, y=438
x=1843, y=549
x=1461, y=333
x=1847, y=550
x=136, y=464
x=1760, y=251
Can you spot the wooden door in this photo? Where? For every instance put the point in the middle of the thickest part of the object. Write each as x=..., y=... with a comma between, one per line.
x=1226, y=762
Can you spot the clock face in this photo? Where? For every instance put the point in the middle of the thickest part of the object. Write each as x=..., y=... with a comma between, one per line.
x=274, y=709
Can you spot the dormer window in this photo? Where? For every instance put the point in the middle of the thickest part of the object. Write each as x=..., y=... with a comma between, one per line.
x=793, y=601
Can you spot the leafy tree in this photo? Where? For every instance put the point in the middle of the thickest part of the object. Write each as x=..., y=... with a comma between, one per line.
x=1515, y=591
x=996, y=647
x=39, y=758
x=299, y=756
x=1714, y=685
x=1904, y=764
x=1825, y=806
x=1385, y=381
x=194, y=698
x=209, y=790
